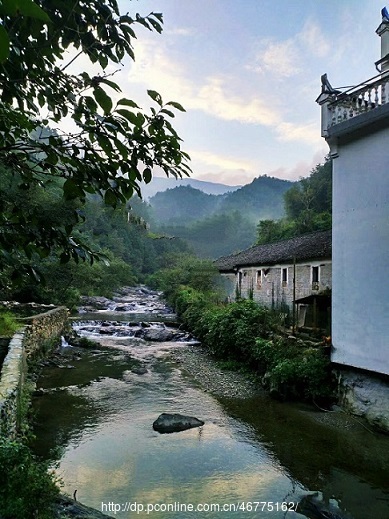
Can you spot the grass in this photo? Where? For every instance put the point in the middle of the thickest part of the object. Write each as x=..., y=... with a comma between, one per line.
x=8, y=323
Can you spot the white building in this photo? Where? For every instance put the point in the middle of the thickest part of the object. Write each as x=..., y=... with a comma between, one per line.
x=355, y=124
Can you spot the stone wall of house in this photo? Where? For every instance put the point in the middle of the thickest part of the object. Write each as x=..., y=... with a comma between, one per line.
x=366, y=395
x=270, y=288
x=39, y=334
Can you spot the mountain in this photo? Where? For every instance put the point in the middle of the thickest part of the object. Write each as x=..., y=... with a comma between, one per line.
x=260, y=200
x=182, y=204
x=159, y=184
x=263, y=199
x=216, y=225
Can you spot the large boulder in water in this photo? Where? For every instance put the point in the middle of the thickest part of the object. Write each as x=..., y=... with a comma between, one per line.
x=314, y=506
x=157, y=334
x=168, y=423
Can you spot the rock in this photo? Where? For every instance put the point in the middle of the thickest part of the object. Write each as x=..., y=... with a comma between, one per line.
x=313, y=505
x=139, y=370
x=168, y=423
x=66, y=508
x=157, y=334
x=96, y=302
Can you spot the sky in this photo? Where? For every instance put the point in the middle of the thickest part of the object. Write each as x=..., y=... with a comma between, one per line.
x=248, y=74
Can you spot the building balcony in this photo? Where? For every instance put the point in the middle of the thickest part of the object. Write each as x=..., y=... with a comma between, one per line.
x=363, y=105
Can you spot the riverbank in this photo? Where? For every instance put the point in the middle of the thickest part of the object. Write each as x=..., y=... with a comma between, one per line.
x=220, y=382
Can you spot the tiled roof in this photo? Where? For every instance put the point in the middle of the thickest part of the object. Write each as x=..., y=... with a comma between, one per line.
x=314, y=245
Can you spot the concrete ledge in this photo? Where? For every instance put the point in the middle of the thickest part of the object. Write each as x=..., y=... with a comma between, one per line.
x=11, y=384
x=35, y=339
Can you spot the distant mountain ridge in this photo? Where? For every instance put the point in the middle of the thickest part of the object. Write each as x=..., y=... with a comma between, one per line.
x=160, y=184
x=217, y=225
x=260, y=200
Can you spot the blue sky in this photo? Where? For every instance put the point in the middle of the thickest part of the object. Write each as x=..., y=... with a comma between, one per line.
x=248, y=73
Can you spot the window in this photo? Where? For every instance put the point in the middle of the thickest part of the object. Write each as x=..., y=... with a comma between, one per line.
x=284, y=276
x=315, y=274
x=259, y=278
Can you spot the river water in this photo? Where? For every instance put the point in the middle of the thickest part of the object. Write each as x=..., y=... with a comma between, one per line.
x=94, y=423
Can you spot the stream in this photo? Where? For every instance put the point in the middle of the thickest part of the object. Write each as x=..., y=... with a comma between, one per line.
x=94, y=410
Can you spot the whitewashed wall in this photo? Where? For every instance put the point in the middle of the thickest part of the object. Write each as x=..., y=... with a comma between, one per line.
x=360, y=248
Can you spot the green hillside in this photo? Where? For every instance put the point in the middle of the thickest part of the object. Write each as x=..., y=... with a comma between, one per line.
x=260, y=200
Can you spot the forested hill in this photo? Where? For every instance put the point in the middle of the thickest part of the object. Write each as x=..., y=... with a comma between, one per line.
x=160, y=184
x=262, y=199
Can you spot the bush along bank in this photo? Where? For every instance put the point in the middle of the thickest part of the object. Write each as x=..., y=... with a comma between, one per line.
x=245, y=334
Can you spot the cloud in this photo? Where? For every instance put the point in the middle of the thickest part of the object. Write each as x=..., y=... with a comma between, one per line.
x=302, y=168
x=222, y=161
x=314, y=40
x=308, y=133
x=180, y=31
x=281, y=58
x=224, y=96
x=213, y=95
x=229, y=178
x=288, y=58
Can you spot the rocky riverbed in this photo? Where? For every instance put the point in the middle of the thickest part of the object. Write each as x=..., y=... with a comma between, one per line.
x=213, y=378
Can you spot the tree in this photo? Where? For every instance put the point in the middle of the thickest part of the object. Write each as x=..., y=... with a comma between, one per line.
x=114, y=144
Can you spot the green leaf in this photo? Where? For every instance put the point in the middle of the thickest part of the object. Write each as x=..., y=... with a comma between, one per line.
x=157, y=26
x=4, y=44
x=110, y=198
x=147, y=175
x=155, y=96
x=105, y=143
x=103, y=99
x=130, y=116
x=176, y=105
x=113, y=85
x=121, y=148
x=72, y=190
x=167, y=112
x=32, y=10
x=127, y=102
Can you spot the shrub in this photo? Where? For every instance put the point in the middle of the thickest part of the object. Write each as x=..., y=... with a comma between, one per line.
x=27, y=489
x=293, y=369
x=8, y=323
x=234, y=328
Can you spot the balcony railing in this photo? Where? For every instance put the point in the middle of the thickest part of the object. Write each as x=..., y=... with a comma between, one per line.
x=358, y=100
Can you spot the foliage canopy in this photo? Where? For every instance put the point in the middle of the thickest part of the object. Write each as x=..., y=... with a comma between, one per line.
x=112, y=145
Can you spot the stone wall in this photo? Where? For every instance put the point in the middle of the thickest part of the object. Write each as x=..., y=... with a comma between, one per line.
x=39, y=334
x=270, y=289
x=11, y=385
x=365, y=394
x=44, y=331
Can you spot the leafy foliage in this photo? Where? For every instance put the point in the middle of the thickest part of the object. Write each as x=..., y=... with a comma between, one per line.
x=113, y=144
x=244, y=334
x=8, y=323
x=232, y=329
x=120, y=235
x=184, y=270
x=294, y=369
x=27, y=489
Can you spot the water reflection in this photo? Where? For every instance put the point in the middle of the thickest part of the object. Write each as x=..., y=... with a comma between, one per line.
x=251, y=450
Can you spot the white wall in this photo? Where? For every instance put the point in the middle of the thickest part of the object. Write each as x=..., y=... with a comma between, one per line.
x=360, y=262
